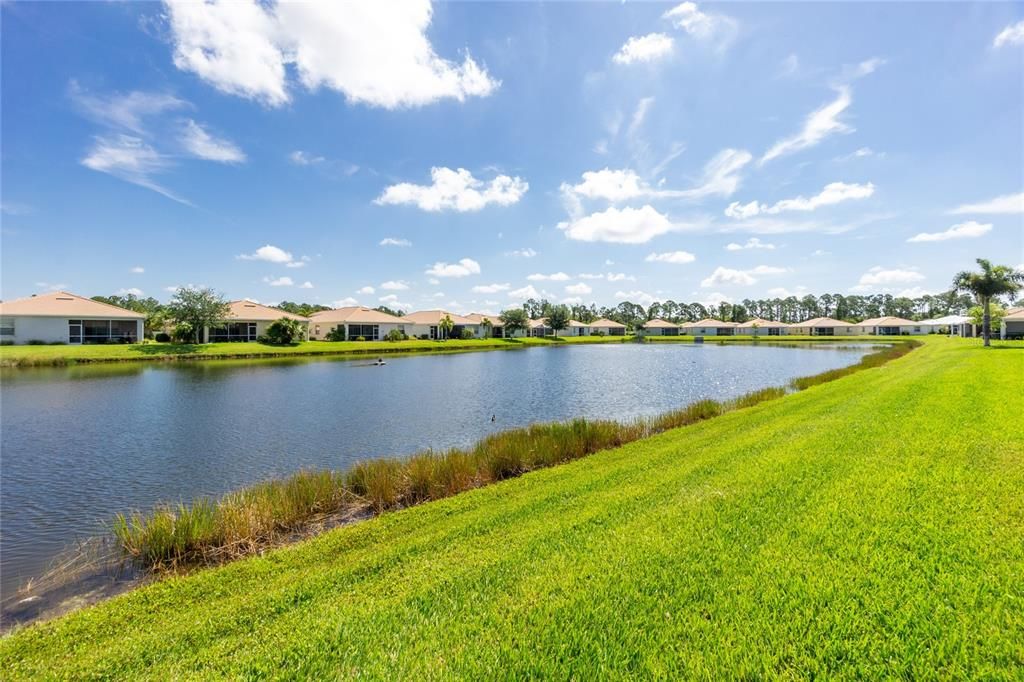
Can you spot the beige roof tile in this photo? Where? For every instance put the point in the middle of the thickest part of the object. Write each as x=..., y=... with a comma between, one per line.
x=63, y=304
x=658, y=323
x=355, y=315
x=249, y=310
x=823, y=322
x=433, y=317
x=604, y=322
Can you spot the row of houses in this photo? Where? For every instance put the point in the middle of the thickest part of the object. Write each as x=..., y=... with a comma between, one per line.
x=62, y=317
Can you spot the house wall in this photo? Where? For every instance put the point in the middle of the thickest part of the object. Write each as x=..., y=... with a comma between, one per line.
x=703, y=331
x=49, y=329
x=1011, y=328
x=261, y=328
x=762, y=331
x=318, y=331
x=609, y=331
x=661, y=331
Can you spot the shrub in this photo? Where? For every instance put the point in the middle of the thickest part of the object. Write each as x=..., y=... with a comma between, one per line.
x=467, y=334
x=395, y=335
x=336, y=334
x=35, y=342
x=424, y=337
x=284, y=332
x=360, y=338
x=162, y=337
x=58, y=343
x=7, y=342
x=183, y=332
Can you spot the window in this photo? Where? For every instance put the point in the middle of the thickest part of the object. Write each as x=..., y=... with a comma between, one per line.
x=369, y=332
x=6, y=326
x=240, y=332
x=102, y=331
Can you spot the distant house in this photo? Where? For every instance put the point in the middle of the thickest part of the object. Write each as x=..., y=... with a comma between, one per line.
x=577, y=328
x=1012, y=326
x=954, y=325
x=709, y=327
x=247, y=321
x=61, y=317
x=891, y=326
x=539, y=327
x=497, y=330
x=356, y=322
x=660, y=327
x=428, y=323
x=607, y=327
x=824, y=326
x=764, y=328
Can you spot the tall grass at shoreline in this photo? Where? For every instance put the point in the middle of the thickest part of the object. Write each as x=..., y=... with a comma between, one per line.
x=267, y=514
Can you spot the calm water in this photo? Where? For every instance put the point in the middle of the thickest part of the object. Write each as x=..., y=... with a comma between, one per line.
x=80, y=444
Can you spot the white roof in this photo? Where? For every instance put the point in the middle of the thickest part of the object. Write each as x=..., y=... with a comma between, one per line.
x=943, y=321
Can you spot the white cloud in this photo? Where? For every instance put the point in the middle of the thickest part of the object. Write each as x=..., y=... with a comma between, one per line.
x=524, y=293
x=714, y=28
x=833, y=193
x=879, y=277
x=48, y=286
x=395, y=285
x=579, y=289
x=609, y=262
x=620, y=277
x=133, y=291
x=490, y=288
x=783, y=292
x=433, y=281
x=132, y=160
x=726, y=276
x=306, y=285
x=1011, y=35
x=641, y=297
x=367, y=290
x=821, y=252
x=368, y=51
x=301, y=158
x=297, y=263
x=611, y=185
x=626, y=226
x=958, y=231
x=648, y=48
x=464, y=268
x=137, y=270
x=392, y=241
x=202, y=145
x=752, y=243
x=268, y=253
x=391, y=300
x=554, y=277
x=522, y=253
x=124, y=111
x=591, y=275
x=346, y=302
x=861, y=69
x=674, y=257
x=455, y=190
x=915, y=292
x=821, y=123
x=279, y=282
x=572, y=300
x=1007, y=203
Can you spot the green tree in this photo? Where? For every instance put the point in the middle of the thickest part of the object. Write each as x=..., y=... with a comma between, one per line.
x=487, y=326
x=991, y=282
x=446, y=325
x=996, y=313
x=284, y=332
x=200, y=308
x=514, y=320
x=558, y=318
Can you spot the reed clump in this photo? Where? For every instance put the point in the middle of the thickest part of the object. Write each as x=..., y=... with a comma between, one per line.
x=253, y=519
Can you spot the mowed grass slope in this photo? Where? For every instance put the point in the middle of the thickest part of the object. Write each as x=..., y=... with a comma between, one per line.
x=869, y=527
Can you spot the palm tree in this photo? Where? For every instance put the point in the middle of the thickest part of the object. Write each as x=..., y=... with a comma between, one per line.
x=446, y=324
x=992, y=281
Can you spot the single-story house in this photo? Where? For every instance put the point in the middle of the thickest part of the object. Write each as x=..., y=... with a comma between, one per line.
x=954, y=325
x=891, y=326
x=428, y=323
x=539, y=327
x=356, y=321
x=60, y=317
x=824, y=326
x=497, y=330
x=607, y=327
x=660, y=327
x=709, y=327
x=247, y=321
x=764, y=328
x=1012, y=326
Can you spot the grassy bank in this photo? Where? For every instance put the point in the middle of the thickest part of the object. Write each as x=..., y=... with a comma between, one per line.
x=863, y=528
x=37, y=356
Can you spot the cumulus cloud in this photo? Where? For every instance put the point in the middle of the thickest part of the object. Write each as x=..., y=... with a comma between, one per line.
x=958, y=231
x=490, y=288
x=674, y=257
x=648, y=48
x=1007, y=203
x=201, y=144
x=641, y=297
x=620, y=277
x=366, y=51
x=464, y=268
x=131, y=291
x=833, y=193
x=456, y=190
x=529, y=291
x=306, y=285
x=752, y=243
x=137, y=270
x=878, y=277
x=820, y=123
x=270, y=254
x=367, y=290
x=279, y=282
x=346, y=302
x=717, y=29
x=391, y=300
x=391, y=241
x=725, y=276
x=625, y=226
x=554, y=277
x=579, y=289
x=393, y=285
x=1011, y=35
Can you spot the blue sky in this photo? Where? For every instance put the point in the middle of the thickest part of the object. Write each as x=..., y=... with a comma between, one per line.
x=469, y=155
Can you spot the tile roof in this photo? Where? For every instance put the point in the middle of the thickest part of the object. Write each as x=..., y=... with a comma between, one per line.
x=63, y=304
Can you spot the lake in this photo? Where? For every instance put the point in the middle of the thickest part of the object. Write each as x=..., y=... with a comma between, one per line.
x=80, y=444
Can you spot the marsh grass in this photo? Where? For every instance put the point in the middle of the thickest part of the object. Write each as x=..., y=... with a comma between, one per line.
x=267, y=514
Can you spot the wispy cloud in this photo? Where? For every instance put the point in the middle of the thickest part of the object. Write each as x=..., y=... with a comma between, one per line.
x=123, y=111
x=674, y=257
x=959, y=231
x=132, y=160
x=833, y=193
x=820, y=123
x=1007, y=203
x=1011, y=35
x=752, y=243
x=201, y=144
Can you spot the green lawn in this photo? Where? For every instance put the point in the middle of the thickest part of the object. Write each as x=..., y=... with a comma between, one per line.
x=865, y=528
x=48, y=355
